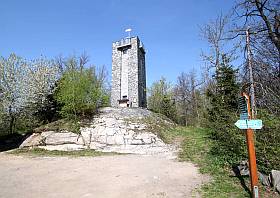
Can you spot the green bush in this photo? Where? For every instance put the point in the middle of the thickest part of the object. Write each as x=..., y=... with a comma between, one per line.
x=268, y=142
x=160, y=99
x=80, y=93
x=60, y=125
x=229, y=141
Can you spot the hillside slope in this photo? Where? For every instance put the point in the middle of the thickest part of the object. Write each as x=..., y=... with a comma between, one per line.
x=121, y=130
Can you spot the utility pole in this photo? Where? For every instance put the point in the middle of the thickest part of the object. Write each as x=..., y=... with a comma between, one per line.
x=251, y=79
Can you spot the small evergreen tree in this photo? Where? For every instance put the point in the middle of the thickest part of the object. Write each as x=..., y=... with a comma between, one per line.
x=223, y=114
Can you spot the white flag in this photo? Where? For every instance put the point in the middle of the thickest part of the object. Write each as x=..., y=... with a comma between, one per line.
x=128, y=30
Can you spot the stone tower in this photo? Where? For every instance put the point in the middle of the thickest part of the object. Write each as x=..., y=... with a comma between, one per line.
x=128, y=73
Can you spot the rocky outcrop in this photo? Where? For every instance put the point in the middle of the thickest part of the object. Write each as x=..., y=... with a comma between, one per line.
x=119, y=130
x=52, y=140
x=243, y=168
x=271, y=180
x=275, y=179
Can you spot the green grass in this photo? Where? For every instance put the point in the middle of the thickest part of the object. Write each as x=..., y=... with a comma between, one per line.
x=38, y=152
x=60, y=125
x=196, y=147
x=157, y=124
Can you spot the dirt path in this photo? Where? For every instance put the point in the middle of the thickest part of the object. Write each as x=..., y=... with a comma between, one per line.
x=119, y=176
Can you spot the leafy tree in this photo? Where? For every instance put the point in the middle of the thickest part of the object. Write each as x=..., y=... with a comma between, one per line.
x=24, y=86
x=42, y=77
x=161, y=99
x=80, y=92
x=13, y=83
x=262, y=16
x=267, y=142
x=48, y=111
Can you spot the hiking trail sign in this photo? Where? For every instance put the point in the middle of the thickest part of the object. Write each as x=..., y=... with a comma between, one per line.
x=247, y=121
x=249, y=124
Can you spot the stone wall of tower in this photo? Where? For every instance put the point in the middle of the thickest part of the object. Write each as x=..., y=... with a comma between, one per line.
x=128, y=72
x=133, y=73
x=142, y=78
x=116, y=76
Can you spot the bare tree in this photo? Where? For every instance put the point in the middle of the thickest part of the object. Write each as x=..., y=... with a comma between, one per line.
x=72, y=62
x=185, y=93
x=83, y=60
x=263, y=17
x=215, y=34
x=182, y=93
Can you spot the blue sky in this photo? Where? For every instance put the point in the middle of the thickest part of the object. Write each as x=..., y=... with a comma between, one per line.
x=168, y=29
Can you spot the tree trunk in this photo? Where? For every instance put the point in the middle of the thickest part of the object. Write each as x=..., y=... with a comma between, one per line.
x=11, y=127
x=279, y=65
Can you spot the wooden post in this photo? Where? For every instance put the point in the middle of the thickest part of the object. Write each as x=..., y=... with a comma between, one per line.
x=252, y=155
x=252, y=163
x=251, y=78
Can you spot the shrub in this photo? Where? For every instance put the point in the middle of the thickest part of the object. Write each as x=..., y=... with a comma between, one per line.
x=267, y=142
x=80, y=93
x=160, y=99
x=229, y=141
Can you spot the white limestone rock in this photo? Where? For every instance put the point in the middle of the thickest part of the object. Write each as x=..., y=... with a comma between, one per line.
x=109, y=131
x=34, y=140
x=47, y=133
x=63, y=147
x=110, y=140
x=275, y=179
x=110, y=122
x=137, y=142
x=119, y=140
x=86, y=135
x=101, y=139
x=97, y=146
x=61, y=138
x=98, y=130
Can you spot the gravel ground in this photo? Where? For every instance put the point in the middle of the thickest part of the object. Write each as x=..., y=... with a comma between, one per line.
x=118, y=176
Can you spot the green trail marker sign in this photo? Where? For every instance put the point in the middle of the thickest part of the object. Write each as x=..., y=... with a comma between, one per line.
x=244, y=116
x=249, y=124
x=243, y=108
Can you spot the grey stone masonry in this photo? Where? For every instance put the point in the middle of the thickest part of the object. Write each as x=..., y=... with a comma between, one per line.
x=128, y=73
